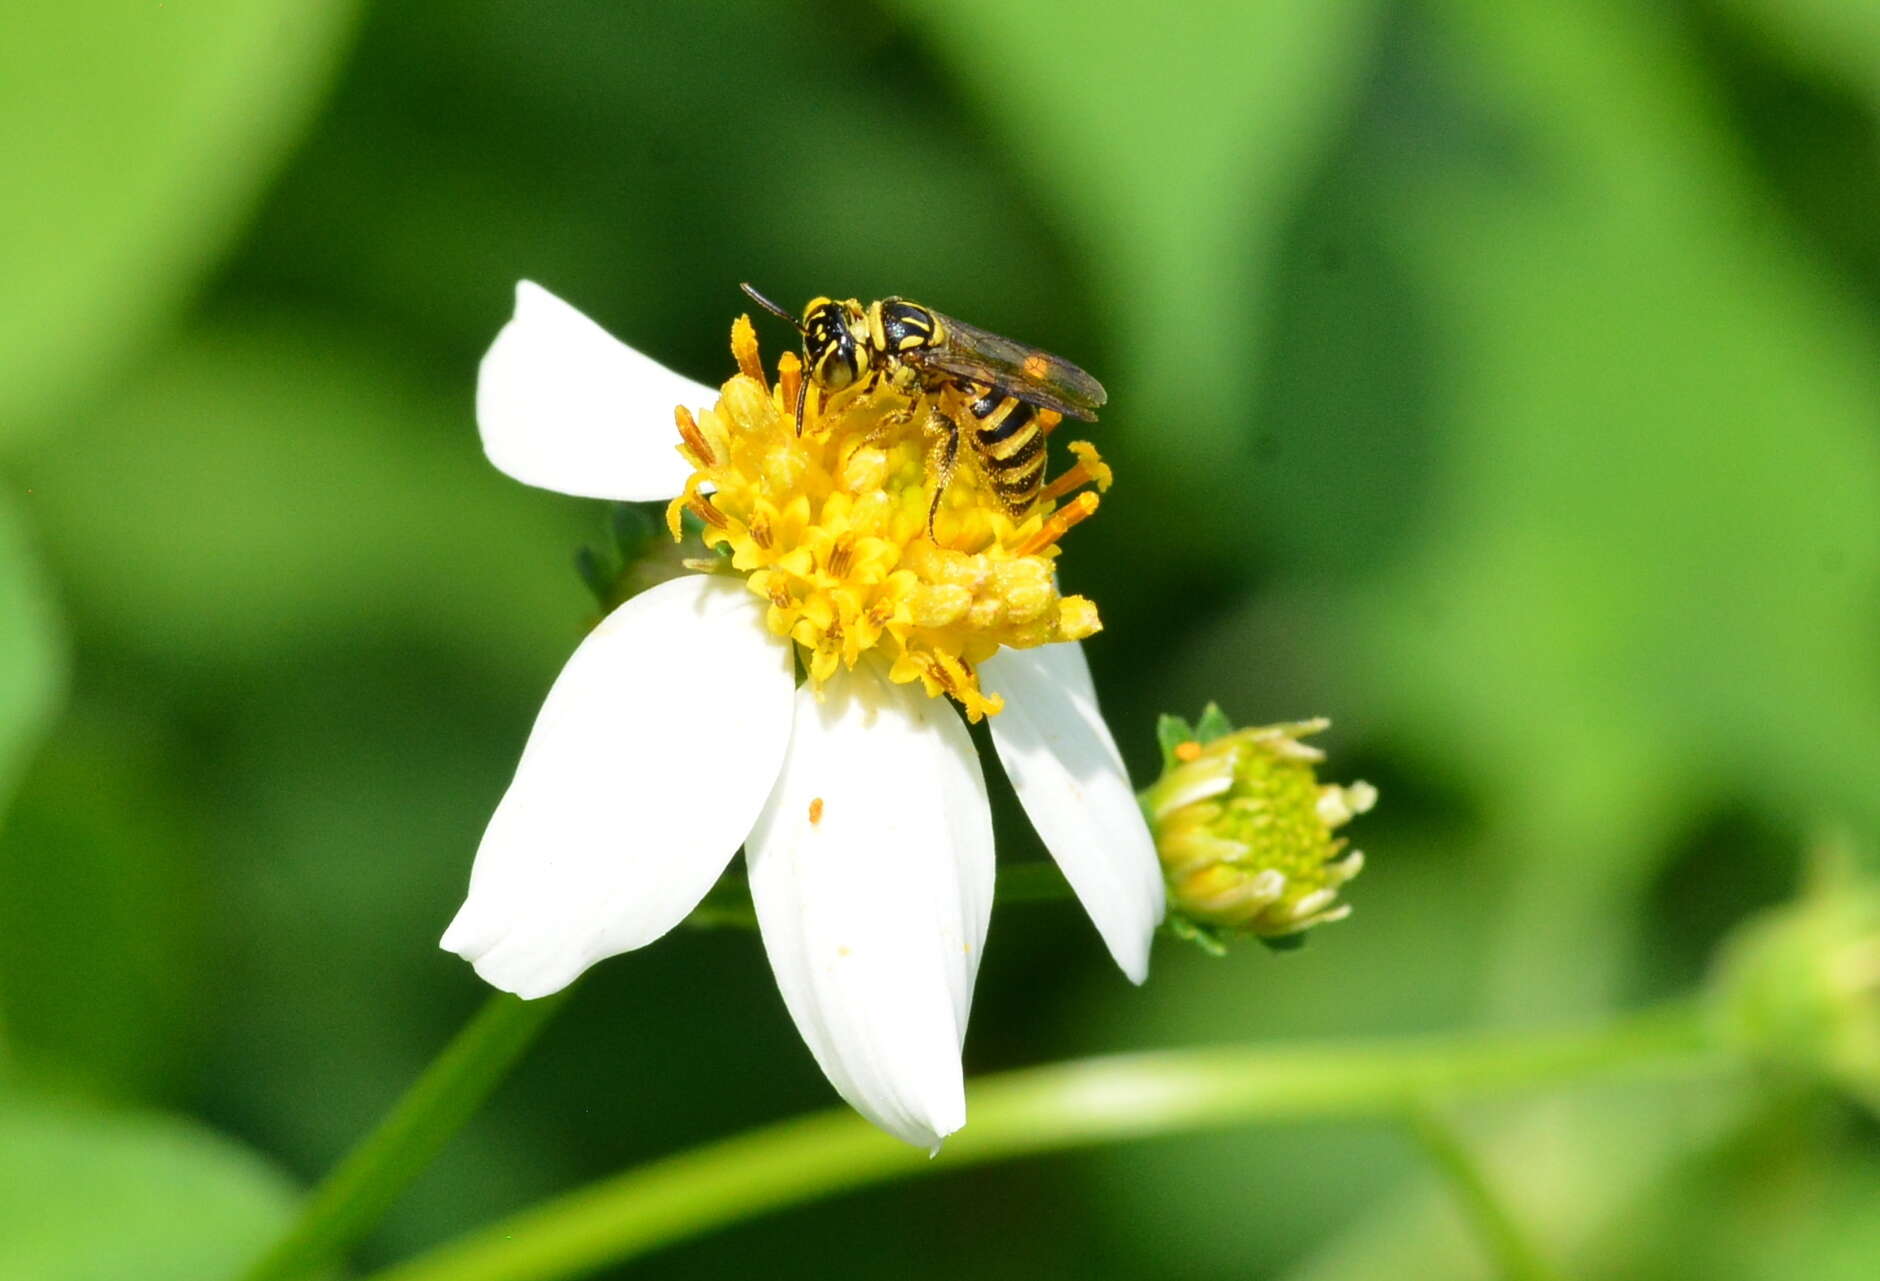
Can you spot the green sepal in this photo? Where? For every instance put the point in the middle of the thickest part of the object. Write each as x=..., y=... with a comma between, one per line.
x=1171, y=732
x=1206, y=937
x=1213, y=724
x=1284, y=942
x=596, y=573
x=632, y=530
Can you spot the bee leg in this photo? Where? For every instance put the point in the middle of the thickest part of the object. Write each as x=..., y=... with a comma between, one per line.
x=943, y=452
x=892, y=422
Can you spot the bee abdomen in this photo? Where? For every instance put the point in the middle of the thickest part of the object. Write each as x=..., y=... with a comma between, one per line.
x=1010, y=448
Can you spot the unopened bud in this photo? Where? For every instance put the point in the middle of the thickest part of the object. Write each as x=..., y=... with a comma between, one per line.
x=1800, y=985
x=1245, y=830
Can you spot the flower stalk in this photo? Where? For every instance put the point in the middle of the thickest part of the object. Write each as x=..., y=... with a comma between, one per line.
x=1503, y=1235
x=354, y=1197
x=1048, y=1109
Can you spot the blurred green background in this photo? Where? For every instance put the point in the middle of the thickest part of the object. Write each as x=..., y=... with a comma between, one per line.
x=1502, y=381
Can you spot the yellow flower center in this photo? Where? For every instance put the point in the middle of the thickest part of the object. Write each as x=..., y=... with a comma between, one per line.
x=831, y=529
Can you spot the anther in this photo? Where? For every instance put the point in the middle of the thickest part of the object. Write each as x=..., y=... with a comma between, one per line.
x=1188, y=751
x=744, y=347
x=1062, y=520
x=841, y=557
x=759, y=527
x=701, y=506
x=1088, y=469
x=1049, y=420
x=793, y=386
x=694, y=438
x=942, y=672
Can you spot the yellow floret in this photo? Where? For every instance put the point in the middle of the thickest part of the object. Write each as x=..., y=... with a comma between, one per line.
x=831, y=529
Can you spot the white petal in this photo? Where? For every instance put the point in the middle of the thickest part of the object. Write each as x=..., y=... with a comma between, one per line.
x=871, y=869
x=1070, y=778
x=565, y=405
x=647, y=765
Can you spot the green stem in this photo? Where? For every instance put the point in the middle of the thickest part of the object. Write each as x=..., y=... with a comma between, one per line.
x=357, y=1193
x=1508, y=1243
x=1046, y=1109
x=353, y=1197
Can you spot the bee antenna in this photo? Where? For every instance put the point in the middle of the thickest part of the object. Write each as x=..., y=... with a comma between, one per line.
x=773, y=308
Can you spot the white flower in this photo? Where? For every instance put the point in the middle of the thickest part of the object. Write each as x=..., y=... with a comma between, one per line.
x=677, y=732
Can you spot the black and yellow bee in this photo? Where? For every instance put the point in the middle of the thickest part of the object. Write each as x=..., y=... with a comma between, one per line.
x=962, y=372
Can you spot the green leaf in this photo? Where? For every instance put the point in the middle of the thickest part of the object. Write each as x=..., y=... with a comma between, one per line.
x=103, y=905
x=97, y=1197
x=1841, y=37
x=137, y=138
x=30, y=657
x=1649, y=580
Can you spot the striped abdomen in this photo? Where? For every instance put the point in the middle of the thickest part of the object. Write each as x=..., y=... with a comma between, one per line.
x=1008, y=443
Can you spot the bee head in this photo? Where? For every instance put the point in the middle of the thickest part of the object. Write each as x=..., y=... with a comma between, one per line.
x=835, y=334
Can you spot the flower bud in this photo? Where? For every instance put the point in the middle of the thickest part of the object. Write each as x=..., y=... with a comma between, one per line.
x=1799, y=986
x=1246, y=832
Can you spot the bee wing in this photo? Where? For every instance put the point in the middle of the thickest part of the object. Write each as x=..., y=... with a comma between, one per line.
x=1036, y=376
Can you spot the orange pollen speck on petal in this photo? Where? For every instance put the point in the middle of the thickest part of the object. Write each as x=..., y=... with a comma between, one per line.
x=816, y=810
x=1188, y=751
x=840, y=532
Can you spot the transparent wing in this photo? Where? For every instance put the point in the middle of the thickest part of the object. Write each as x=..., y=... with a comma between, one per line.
x=1032, y=375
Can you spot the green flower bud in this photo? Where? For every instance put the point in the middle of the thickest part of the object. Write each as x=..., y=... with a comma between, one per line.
x=1799, y=986
x=1246, y=831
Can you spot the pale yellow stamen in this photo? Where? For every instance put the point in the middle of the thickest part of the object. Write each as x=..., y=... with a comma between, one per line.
x=1089, y=469
x=1080, y=509
x=789, y=378
x=744, y=348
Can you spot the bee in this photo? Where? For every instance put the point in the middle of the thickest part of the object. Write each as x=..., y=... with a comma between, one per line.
x=977, y=384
